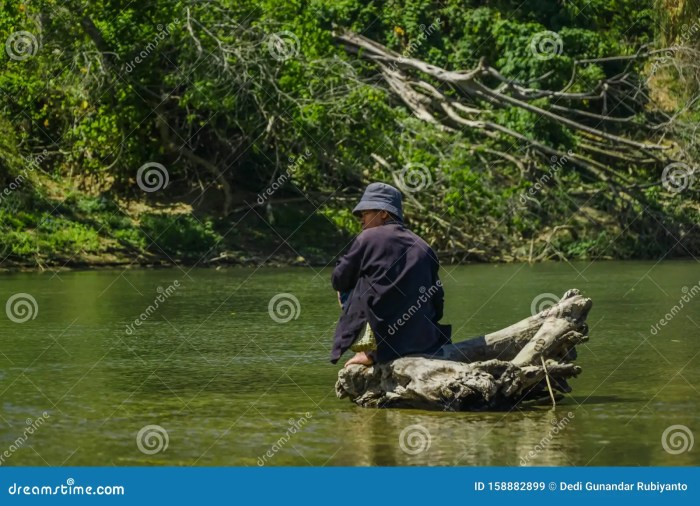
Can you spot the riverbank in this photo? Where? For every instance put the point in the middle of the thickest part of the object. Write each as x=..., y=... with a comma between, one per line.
x=44, y=229
x=231, y=259
x=44, y=226
x=253, y=258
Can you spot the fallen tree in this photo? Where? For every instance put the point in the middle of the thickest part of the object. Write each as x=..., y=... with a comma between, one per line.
x=619, y=144
x=527, y=361
x=467, y=98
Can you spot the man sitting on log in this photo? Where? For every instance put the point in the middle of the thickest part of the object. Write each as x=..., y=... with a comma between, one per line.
x=388, y=287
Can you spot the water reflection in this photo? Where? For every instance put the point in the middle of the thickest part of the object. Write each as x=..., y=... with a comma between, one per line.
x=404, y=437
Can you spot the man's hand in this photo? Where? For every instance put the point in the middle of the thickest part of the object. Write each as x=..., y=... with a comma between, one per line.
x=360, y=358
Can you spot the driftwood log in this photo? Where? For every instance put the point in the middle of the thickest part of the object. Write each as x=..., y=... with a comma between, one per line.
x=527, y=361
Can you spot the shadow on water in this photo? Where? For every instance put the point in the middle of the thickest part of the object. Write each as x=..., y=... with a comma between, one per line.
x=605, y=399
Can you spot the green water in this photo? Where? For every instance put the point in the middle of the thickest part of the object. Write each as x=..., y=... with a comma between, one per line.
x=223, y=379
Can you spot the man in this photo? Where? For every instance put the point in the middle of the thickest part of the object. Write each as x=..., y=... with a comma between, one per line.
x=391, y=275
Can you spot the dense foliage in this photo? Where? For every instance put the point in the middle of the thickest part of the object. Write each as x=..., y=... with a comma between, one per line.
x=261, y=119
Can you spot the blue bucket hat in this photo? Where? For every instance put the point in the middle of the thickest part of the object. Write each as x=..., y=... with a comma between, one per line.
x=380, y=197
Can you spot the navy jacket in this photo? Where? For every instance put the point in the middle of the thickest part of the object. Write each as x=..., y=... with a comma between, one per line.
x=393, y=275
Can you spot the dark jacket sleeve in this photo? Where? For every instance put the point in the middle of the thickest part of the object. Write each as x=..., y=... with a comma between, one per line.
x=347, y=269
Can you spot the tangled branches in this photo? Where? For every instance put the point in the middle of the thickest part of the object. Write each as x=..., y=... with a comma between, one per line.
x=618, y=141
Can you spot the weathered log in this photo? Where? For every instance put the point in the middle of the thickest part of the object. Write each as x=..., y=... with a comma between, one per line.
x=493, y=371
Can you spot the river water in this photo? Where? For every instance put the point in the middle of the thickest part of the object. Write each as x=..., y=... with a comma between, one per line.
x=210, y=378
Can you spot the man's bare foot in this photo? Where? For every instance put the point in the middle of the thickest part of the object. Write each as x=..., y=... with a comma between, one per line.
x=360, y=358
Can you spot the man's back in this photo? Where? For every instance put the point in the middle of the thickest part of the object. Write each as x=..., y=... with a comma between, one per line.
x=394, y=277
